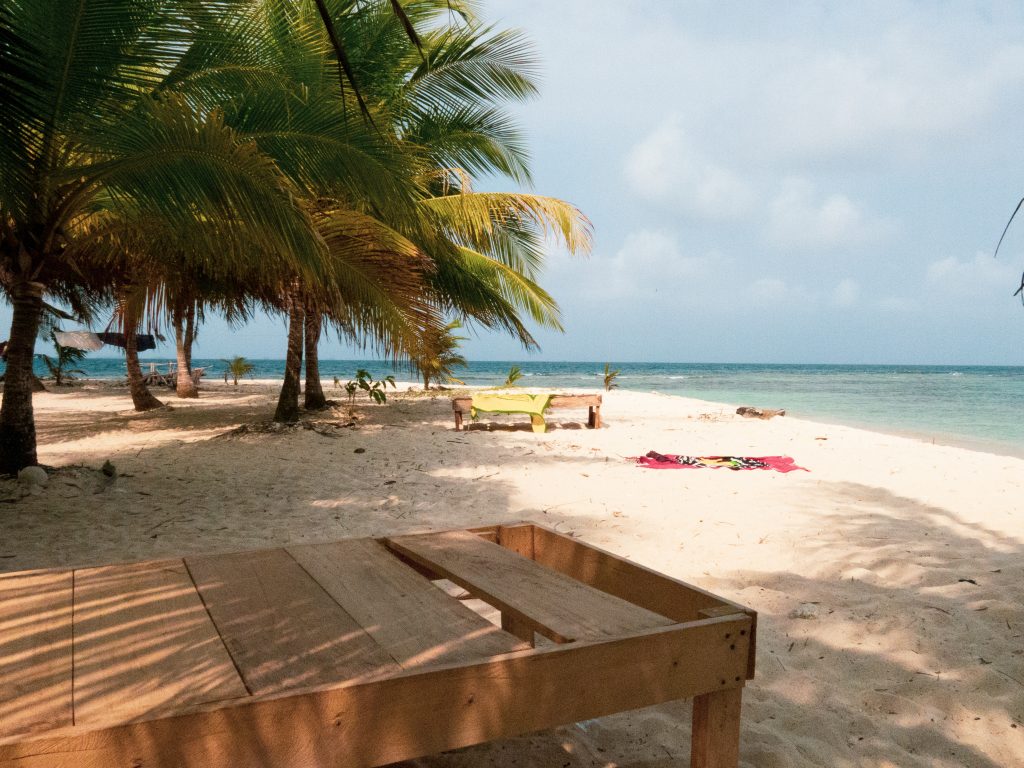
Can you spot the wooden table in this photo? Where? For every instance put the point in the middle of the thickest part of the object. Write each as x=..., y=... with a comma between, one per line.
x=347, y=654
x=463, y=405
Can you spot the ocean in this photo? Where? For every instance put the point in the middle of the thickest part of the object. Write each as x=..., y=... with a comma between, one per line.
x=979, y=407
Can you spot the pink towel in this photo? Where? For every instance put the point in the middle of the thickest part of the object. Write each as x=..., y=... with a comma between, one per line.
x=654, y=460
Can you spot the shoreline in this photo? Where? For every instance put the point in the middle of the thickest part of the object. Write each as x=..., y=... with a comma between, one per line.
x=963, y=442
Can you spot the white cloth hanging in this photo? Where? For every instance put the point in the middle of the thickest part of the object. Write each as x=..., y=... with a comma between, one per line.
x=79, y=340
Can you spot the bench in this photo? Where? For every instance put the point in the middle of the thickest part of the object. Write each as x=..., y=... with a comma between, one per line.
x=347, y=654
x=462, y=406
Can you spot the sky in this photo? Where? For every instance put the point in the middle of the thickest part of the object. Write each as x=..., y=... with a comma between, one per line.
x=801, y=182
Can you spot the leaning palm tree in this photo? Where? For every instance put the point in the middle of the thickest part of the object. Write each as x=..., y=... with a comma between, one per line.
x=87, y=133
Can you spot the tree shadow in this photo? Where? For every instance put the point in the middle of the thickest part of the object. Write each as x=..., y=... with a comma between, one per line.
x=904, y=656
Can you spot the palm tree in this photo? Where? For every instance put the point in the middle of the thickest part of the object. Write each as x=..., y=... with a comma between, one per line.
x=62, y=368
x=183, y=317
x=238, y=367
x=610, y=376
x=88, y=129
x=216, y=129
x=438, y=356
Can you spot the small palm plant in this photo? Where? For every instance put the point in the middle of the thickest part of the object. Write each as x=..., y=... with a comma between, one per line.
x=515, y=373
x=61, y=369
x=439, y=356
x=376, y=390
x=237, y=367
x=609, y=378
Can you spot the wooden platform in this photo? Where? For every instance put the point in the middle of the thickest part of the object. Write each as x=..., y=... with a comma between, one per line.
x=349, y=654
x=462, y=405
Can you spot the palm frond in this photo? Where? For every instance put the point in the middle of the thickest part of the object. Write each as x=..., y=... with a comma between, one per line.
x=468, y=65
x=481, y=219
x=515, y=289
x=380, y=295
x=172, y=162
x=479, y=139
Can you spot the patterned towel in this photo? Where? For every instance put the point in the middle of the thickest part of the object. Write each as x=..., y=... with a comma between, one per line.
x=654, y=460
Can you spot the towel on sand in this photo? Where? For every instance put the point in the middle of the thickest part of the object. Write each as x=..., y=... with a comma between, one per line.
x=654, y=460
x=534, y=405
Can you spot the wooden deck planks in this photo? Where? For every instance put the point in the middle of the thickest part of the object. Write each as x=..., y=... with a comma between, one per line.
x=141, y=658
x=35, y=651
x=558, y=606
x=403, y=717
x=282, y=629
x=144, y=644
x=414, y=621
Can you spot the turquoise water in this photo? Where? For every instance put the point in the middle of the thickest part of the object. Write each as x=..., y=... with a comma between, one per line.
x=981, y=407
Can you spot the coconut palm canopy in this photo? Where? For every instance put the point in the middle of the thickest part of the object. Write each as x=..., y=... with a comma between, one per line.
x=205, y=154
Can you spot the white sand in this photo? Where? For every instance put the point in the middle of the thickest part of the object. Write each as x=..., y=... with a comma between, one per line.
x=906, y=664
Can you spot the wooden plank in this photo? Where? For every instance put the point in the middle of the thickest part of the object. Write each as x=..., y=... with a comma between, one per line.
x=282, y=629
x=630, y=581
x=716, y=729
x=555, y=605
x=144, y=644
x=410, y=618
x=519, y=539
x=574, y=401
x=421, y=713
x=35, y=651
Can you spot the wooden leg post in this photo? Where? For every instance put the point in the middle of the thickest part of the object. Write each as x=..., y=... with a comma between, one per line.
x=514, y=626
x=458, y=421
x=716, y=729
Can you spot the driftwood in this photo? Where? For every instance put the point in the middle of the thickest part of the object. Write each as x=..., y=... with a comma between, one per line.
x=760, y=413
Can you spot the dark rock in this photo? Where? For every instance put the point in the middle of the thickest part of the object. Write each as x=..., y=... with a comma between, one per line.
x=760, y=413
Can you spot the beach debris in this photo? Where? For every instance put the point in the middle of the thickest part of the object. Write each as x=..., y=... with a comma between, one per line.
x=805, y=611
x=109, y=469
x=324, y=428
x=33, y=477
x=967, y=581
x=717, y=416
x=359, y=450
x=750, y=412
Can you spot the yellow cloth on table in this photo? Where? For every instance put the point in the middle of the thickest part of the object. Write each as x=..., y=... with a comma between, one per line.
x=534, y=405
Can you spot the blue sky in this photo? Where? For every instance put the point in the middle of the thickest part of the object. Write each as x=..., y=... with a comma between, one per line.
x=797, y=182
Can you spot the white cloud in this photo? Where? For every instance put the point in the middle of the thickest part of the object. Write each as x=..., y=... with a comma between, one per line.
x=872, y=95
x=648, y=261
x=847, y=293
x=800, y=217
x=774, y=291
x=666, y=168
x=897, y=305
x=982, y=274
x=651, y=267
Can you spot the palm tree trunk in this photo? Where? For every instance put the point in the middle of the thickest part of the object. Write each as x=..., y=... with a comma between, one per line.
x=190, y=334
x=288, y=402
x=184, y=385
x=142, y=398
x=315, y=399
x=17, y=419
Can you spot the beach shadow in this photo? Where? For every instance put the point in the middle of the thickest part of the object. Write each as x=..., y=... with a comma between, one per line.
x=912, y=681
x=932, y=681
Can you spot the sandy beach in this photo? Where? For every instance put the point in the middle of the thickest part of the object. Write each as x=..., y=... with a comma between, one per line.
x=905, y=555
